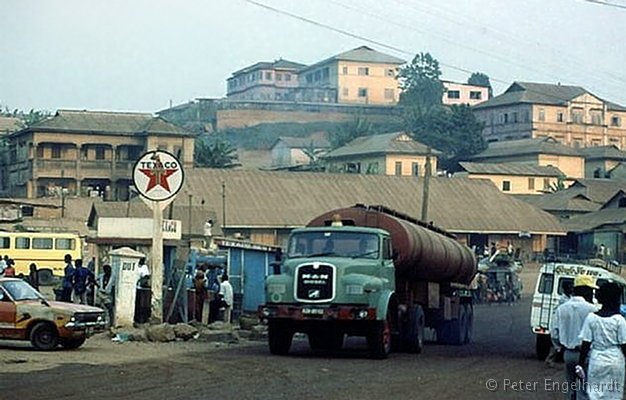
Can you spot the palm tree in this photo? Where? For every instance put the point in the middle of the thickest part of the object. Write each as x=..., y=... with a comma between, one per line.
x=218, y=154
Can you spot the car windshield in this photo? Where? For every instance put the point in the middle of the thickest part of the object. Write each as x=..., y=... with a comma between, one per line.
x=334, y=243
x=20, y=290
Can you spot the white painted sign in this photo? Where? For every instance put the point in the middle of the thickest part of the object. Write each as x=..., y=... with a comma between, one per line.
x=137, y=228
x=125, y=264
x=158, y=175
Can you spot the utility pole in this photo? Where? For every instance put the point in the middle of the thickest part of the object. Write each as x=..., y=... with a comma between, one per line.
x=425, y=192
x=223, y=207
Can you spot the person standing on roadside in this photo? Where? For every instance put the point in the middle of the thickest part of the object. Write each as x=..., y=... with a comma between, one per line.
x=33, y=276
x=82, y=276
x=68, y=279
x=566, y=326
x=9, y=271
x=104, y=293
x=226, y=290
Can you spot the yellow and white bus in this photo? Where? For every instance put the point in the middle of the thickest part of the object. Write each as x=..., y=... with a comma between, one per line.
x=47, y=250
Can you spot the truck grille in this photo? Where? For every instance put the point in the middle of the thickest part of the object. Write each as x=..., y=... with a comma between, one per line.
x=315, y=283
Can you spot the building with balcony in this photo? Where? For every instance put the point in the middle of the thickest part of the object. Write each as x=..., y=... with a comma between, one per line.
x=386, y=154
x=264, y=81
x=569, y=114
x=464, y=93
x=88, y=153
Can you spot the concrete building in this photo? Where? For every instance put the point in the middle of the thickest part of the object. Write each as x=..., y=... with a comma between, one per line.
x=291, y=151
x=570, y=114
x=463, y=93
x=514, y=178
x=264, y=81
x=88, y=153
x=387, y=154
x=358, y=76
x=539, y=151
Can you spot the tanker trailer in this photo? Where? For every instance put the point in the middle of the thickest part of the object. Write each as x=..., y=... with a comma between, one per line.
x=373, y=272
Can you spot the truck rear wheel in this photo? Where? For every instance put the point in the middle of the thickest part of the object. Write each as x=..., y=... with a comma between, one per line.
x=413, y=330
x=542, y=346
x=280, y=335
x=454, y=331
x=379, y=339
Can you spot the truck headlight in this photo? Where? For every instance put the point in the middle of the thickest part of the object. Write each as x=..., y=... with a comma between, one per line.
x=278, y=288
x=354, y=289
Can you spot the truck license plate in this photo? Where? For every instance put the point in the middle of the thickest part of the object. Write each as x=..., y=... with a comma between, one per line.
x=318, y=312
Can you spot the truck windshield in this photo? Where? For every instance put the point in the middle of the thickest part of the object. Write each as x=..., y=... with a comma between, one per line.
x=333, y=243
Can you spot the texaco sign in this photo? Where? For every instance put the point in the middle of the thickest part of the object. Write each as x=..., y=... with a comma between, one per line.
x=158, y=175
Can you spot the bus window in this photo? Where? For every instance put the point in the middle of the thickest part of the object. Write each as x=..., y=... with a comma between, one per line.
x=5, y=243
x=22, y=243
x=65, y=244
x=546, y=283
x=42, y=243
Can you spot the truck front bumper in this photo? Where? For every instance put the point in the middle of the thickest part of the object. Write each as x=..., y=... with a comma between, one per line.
x=317, y=313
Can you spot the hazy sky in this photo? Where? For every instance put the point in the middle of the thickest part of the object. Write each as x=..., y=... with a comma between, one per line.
x=140, y=54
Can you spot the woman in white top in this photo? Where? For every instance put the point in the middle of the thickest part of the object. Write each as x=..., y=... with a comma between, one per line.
x=604, y=333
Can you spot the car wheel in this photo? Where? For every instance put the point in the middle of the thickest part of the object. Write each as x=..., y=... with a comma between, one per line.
x=44, y=336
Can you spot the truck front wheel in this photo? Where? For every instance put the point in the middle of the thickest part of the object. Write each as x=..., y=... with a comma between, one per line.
x=280, y=335
x=379, y=339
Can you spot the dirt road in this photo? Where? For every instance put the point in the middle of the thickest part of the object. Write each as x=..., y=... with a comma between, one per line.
x=502, y=351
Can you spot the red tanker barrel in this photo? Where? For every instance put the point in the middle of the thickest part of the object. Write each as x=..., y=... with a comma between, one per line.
x=423, y=254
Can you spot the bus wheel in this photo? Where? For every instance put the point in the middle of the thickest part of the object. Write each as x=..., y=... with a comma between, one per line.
x=45, y=276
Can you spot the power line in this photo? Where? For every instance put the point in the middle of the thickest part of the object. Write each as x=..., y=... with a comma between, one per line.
x=606, y=3
x=375, y=42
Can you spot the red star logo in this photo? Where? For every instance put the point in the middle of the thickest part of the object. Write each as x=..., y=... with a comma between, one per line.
x=158, y=176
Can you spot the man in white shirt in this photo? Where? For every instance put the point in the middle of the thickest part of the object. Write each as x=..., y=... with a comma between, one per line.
x=144, y=274
x=567, y=324
x=226, y=290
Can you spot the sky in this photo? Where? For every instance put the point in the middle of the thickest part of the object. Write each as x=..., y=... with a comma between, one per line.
x=142, y=55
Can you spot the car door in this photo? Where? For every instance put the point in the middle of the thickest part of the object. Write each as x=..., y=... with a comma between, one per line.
x=8, y=311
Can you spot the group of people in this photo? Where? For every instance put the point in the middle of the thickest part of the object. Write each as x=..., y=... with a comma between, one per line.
x=7, y=269
x=592, y=339
x=221, y=291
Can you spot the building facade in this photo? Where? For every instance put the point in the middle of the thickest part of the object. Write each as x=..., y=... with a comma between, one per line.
x=88, y=153
x=601, y=160
x=358, y=76
x=264, y=81
x=514, y=178
x=569, y=114
x=387, y=154
x=291, y=151
x=463, y=93
x=539, y=152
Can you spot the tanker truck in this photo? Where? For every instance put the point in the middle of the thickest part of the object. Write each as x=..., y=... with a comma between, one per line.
x=373, y=272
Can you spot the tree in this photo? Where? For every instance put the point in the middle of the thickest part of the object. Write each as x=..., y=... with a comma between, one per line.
x=351, y=130
x=315, y=163
x=420, y=82
x=216, y=154
x=480, y=79
x=26, y=118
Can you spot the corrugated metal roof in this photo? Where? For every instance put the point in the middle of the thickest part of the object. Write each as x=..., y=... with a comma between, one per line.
x=318, y=141
x=9, y=124
x=540, y=93
x=363, y=54
x=278, y=64
x=590, y=221
x=511, y=169
x=546, y=145
x=105, y=122
x=610, y=152
x=387, y=143
x=283, y=199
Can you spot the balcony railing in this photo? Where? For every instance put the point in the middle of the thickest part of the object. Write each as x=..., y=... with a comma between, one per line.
x=55, y=168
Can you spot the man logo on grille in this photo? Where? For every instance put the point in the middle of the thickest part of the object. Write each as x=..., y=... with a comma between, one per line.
x=314, y=293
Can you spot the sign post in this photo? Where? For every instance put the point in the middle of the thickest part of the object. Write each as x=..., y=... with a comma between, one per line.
x=158, y=177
